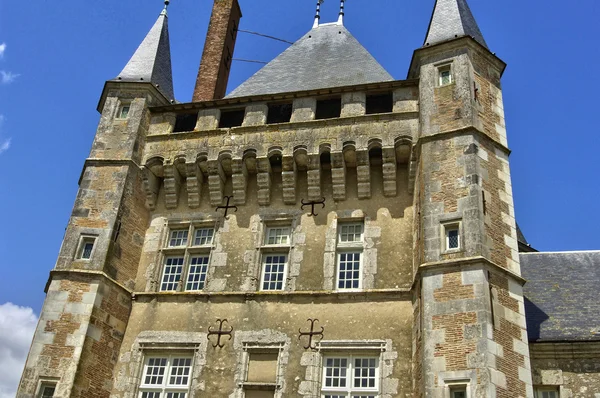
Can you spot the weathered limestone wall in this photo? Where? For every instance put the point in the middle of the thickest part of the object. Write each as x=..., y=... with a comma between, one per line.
x=83, y=321
x=573, y=369
x=385, y=320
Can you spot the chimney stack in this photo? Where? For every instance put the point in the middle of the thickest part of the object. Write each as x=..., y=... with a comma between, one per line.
x=218, y=51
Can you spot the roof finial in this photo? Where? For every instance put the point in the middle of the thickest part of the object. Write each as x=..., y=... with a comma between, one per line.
x=341, y=17
x=164, y=11
x=318, y=14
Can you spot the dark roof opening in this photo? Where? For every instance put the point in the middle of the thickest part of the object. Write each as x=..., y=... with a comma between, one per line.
x=276, y=163
x=376, y=156
x=185, y=122
x=231, y=118
x=380, y=103
x=328, y=108
x=326, y=160
x=279, y=113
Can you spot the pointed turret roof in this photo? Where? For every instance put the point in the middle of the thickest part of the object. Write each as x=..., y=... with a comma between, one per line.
x=451, y=19
x=152, y=60
x=327, y=56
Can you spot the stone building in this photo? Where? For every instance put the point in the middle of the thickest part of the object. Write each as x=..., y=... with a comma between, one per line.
x=324, y=230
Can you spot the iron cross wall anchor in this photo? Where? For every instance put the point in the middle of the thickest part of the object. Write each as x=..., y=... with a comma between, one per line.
x=312, y=205
x=311, y=334
x=227, y=207
x=219, y=333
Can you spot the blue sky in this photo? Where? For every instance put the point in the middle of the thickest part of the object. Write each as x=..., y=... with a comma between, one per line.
x=55, y=57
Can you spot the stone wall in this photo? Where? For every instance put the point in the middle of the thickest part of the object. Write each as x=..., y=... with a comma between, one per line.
x=572, y=369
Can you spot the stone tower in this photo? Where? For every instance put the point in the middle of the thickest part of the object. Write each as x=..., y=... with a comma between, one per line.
x=322, y=231
x=471, y=319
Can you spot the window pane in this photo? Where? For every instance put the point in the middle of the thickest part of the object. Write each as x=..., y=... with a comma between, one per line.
x=48, y=391
x=87, y=250
x=350, y=233
x=180, y=372
x=349, y=271
x=203, y=236
x=197, y=273
x=178, y=238
x=155, y=371
x=274, y=272
x=124, y=112
x=278, y=236
x=172, y=274
x=364, y=372
x=453, y=239
x=176, y=395
x=150, y=394
x=335, y=372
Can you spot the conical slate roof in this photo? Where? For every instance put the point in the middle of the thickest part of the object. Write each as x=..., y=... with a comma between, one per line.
x=450, y=19
x=152, y=60
x=327, y=56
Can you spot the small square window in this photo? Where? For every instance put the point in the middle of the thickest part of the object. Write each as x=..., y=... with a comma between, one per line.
x=86, y=247
x=452, y=237
x=123, y=112
x=203, y=236
x=47, y=390
x=277, y=236
x=445, y=73
x=178, y=238
x=458, y=391
x=547, y=392
x=350, y=233
x=274, y=272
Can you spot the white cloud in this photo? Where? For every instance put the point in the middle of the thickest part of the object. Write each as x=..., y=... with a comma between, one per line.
x=4, y=143
x=2, y=49
x=7, y=77
x=4, y=146
x=17, y=325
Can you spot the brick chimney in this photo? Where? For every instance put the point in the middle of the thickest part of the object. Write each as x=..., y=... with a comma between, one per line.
x=218, y=51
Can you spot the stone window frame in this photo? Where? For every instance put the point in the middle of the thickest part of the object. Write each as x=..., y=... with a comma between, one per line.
x=450, y=225
x=84, y=239
x=539, y=390
x=350, y=247
x=349, y=389
x=187, y=252
x=256, y=271
x=157, y=342
x=371, y=235
x=45, y=382
x=313, y=360
x=268, y=339
x=254, y=347
x=166, y=388
x=120, y=108
x=444, y=67
x=463, y=378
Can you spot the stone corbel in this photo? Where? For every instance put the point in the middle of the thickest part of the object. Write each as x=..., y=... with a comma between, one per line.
x=216, y=182
x=338, y=176
x=289, y=176
x=389, y=172
x=239, y=180
x=172, y=186
x=194, y=181
x=314, y=177
x=363, y=174
x=263, y=180
x=151, y=186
